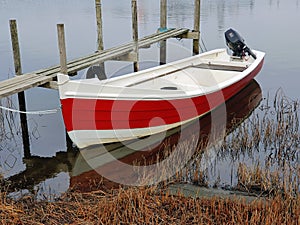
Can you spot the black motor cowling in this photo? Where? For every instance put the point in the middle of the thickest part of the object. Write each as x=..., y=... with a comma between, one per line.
x=237, y=44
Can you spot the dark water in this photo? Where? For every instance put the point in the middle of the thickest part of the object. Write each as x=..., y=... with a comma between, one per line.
x=271, y=26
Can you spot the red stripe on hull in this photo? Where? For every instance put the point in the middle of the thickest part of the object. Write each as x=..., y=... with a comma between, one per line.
x=101, y=114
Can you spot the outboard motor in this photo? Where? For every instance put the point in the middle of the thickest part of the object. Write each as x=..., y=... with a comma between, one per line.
x=237, y=44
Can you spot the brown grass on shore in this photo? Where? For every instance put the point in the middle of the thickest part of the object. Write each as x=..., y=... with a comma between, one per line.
x=147, y=206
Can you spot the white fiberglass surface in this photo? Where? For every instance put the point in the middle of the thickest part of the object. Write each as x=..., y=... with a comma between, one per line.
x=189, y=79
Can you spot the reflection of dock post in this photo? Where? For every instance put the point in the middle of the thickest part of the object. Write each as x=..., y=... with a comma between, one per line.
x=196, y=47
x=163, y=26
x=21, y=95
x=100, y=46
x=135, y=35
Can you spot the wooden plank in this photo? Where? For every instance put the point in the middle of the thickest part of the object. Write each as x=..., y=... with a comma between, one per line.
x=126, y=48
x=112, y=53
x=30, y=83
x=55, y=69
x=191, y=35
x=51, y=85
x=130, y=57
x=40, y=77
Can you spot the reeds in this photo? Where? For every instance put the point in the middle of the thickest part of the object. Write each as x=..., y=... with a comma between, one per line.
x=148, y=206
x=9, y=127
x=271, y=139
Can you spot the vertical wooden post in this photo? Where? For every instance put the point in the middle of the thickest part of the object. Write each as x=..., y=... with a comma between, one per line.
x=62, y=48
x=196, y=42
x=21, y=95
x=99, y=25
x=100, y=46
x=163, y=25
x=63, y=64
x=135, y=34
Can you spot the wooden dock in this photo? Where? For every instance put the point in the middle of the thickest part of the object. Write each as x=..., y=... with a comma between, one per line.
x=123, y=52
x=126, y=52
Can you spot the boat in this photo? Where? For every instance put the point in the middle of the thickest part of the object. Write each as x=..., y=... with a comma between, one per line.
x=158, y=99
x=107, y=166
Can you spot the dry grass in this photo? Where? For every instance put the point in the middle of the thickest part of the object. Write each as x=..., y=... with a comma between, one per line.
x=148, y=206
x=264, y=181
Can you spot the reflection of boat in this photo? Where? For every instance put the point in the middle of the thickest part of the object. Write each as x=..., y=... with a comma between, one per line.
x=156, y=99
x=94, y=164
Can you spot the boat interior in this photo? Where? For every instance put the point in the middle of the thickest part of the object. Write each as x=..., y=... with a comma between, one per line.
x=191, y=77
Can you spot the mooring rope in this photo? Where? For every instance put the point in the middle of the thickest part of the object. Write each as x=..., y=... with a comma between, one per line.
x=42, y=112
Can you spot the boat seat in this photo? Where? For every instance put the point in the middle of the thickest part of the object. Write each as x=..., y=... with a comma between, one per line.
x=220, y=67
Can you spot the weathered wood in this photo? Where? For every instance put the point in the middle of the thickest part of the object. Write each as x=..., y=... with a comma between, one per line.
x=15, y=47
x=191, y=35
x=163, y=14
x=127, y=48
x=99, y=25
x=42, y=76
x=51, y=85
x=135, y=34
x=196, y=47
x=100, y=46
x=163, y=25
x=21, y=95
x=62, y=48
x=130, y=57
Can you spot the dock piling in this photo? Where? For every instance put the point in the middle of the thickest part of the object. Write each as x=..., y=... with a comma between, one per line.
x=163, y=26
x=99, y=25
x=21, y=95
x=62, y=48
x=63, y=64
x=100, y=44
x=135, y=34
x=196, y=42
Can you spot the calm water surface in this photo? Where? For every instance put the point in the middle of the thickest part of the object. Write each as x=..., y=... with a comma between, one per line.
x=271, y=26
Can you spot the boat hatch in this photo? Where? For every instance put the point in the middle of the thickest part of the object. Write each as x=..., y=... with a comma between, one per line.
x=169, y=88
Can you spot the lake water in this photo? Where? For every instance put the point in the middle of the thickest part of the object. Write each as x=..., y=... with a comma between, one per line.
x=271, y=26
